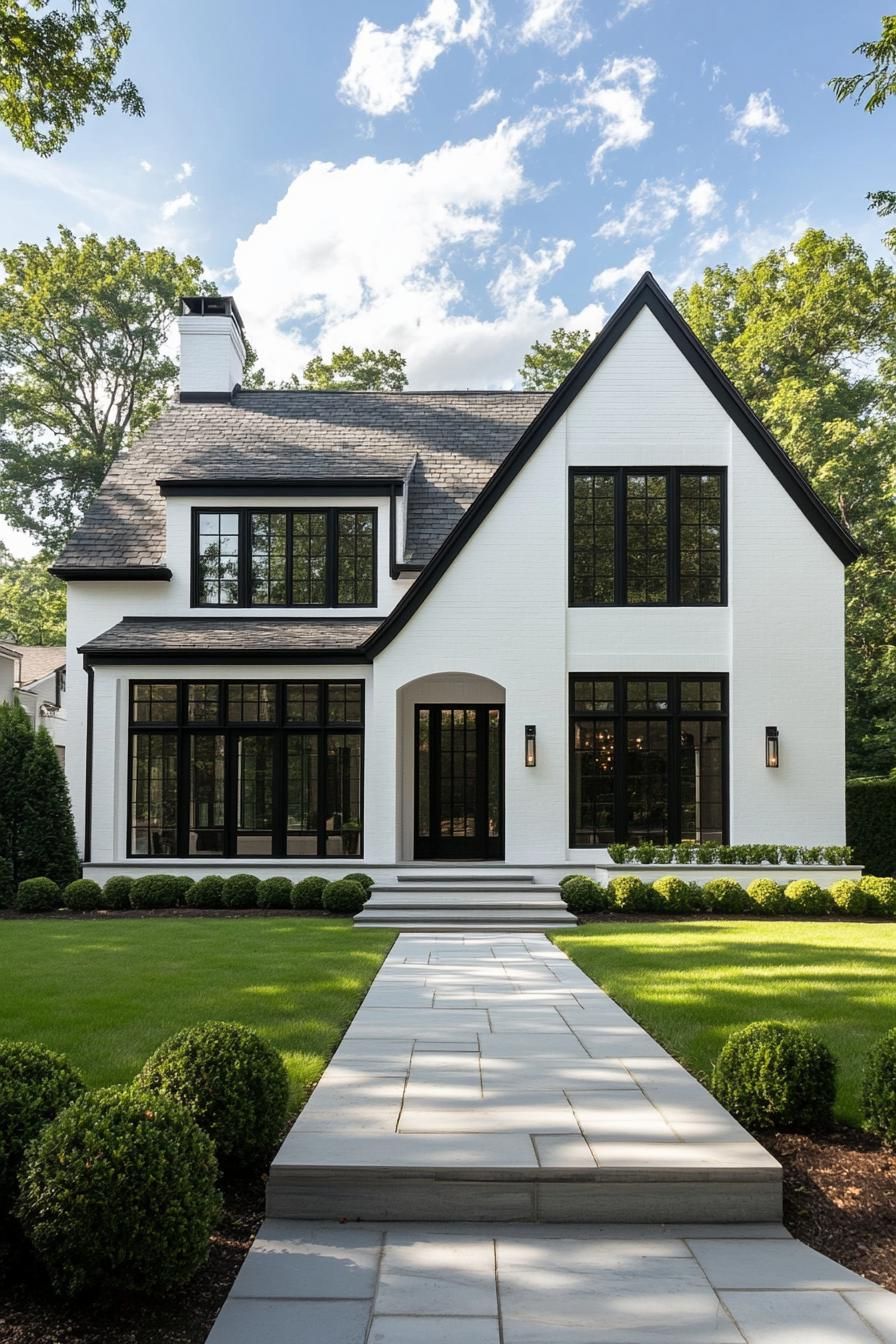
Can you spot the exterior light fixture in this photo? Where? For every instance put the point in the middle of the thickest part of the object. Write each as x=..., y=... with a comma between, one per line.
x=530, y=744
x=771, y=748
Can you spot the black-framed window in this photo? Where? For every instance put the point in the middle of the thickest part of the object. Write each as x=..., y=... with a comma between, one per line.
x=248, y=768
x=648, y=758
x=284, y=557
x=647, y=536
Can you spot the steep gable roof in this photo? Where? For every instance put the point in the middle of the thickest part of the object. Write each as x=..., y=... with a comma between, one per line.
x=646, y=294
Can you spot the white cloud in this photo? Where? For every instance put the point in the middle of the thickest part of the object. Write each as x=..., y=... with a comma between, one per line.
x=632, y=271
x=386, y=66
x=559, y=24
x=146, y=165
x=616, y=98
x=183, y=202
x=628, y=7
x=755, y=243
x=703, y=199
x=758, y=116
x=186, y=170
x=485, y=99
x=371, y=254
x=711, y=242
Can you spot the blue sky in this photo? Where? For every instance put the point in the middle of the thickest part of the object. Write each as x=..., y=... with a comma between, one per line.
x=456, y=178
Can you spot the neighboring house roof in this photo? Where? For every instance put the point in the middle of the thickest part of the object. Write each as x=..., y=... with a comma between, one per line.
x=215, y=639
x=37, y=660
x=450, y=442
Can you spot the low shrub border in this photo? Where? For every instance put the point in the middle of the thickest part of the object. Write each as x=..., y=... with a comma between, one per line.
x=35, y=1085
x=751, y=855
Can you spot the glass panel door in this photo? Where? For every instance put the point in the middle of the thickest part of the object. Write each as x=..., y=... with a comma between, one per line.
x=459, y=782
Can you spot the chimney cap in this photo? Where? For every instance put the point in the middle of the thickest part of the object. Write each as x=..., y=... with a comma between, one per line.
x=211, y=305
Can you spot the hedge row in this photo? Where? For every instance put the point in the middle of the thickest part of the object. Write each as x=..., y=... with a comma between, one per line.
x=119, y=1187
x=161, y=891
x=691, y=852
x=871, y=822
x=764, y=896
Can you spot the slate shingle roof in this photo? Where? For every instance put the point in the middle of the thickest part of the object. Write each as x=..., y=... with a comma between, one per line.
x=452, y=442
x=235, y=634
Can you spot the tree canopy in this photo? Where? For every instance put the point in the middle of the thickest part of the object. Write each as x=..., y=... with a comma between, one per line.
x=808, y=336
x=348, y=371
x=875, y=86
x=548, y=362
x=55, y=68
x=32, y=602
x=83, y=367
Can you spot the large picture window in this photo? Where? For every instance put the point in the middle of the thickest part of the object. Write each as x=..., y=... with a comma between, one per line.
x=247, y=768
x=647, y=758
x=284, y=558
x=647, y=537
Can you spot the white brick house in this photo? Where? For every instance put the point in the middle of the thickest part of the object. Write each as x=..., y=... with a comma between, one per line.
x=311, y=630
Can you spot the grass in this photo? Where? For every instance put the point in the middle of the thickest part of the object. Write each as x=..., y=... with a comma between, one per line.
x=106, y=995
x=691, y=983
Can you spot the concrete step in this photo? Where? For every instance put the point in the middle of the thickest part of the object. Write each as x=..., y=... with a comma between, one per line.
x=444, y=892
x=466, y=876
x=481, y=925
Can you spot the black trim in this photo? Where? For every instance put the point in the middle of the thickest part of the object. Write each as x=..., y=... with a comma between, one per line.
x=147, y=573
x=208, y=398
x=244, y=580
x=434, y=845
x=673, y=477
x=88, y=768
x=646, y=294
x=283, y=485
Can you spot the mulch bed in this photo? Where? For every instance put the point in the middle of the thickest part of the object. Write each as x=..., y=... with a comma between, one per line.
x=839, y=1197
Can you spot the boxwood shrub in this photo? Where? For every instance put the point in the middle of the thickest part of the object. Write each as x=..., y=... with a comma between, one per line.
x=725, y=896
x=205, y=894
x=773, y=1076
x=630, y=893
x=35, y=1084
x=850, y=899
x=240, y=892
x=308, y=892
x=805, y=897
x=120, y=1191
x=879, y=1088
x=184, y=884
x=675, y=894
x=768, y=896
x=117, y=893
x=36, y=895
x=274, y=893
x=871, y=823
x=365, y=879
x=344, y=897
x=232, y=1082
x=82, y=894
x=881, y=891
x=584, y=896
x=157, y=891
x=570, y=877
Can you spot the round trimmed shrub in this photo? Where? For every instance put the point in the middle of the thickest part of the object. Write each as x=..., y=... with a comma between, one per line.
x=157, y=891
x=630, y=893
x=583, y=896
x=724, y=896
x=184, y=884
x=36, y=895
x=882, y=893
x=240, y=892
x=344, y=897
x=806, y=897
x=120, y=1191
x=35, y=1085
x=773, y=1076
x=365, y=879
x=768, y=896
x=82, y=894
x=879, y=1088
x=117, y=893
x=674, y=894
x=205, y=894
x=232, y=1082
x=570, y=877
x=307, y=893
x=274, y=893
x=849, y=898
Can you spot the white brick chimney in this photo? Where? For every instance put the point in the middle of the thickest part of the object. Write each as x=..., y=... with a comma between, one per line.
x=212, y=349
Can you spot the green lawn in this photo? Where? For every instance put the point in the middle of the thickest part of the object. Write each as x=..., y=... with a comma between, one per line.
x=690, y=984
x=106, y=994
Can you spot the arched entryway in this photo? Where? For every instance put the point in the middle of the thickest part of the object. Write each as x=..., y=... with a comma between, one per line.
x=451, y=768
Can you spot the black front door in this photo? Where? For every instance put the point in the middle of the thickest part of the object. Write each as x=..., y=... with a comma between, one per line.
x=459, y=782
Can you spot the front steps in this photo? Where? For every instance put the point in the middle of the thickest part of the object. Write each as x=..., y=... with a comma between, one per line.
x=443, y=902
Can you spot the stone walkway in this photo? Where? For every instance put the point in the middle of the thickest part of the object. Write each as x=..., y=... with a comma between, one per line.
x=498, y=1154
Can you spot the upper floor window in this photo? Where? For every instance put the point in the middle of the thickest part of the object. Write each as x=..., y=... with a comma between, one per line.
x=284, y=557
x=647, y=537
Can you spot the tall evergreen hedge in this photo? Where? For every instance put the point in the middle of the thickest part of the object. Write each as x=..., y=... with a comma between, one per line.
x=37, y=831
x=871, y=823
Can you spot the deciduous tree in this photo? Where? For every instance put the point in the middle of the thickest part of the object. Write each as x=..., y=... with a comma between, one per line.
x=548, y=362
x=874, y=87
x=348, y=371
x=32, y=602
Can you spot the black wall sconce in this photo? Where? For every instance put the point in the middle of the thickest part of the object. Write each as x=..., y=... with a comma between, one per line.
x=530, y=744
x=771, y=748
